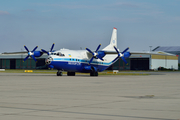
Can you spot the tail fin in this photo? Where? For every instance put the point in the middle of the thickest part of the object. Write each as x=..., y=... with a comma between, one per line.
x=113, y=41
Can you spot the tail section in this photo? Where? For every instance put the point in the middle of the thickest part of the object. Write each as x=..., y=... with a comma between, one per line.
x=113, y=41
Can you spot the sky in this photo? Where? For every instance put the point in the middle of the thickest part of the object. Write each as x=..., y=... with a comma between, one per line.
x=77, y=24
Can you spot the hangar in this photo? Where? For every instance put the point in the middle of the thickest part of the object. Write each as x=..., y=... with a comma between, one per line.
x=137, y=61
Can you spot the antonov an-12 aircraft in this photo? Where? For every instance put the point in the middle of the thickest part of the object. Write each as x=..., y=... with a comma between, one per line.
x=84, y=61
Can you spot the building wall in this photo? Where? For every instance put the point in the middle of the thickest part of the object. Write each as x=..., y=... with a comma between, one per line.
x=168, y=62
x=175, y=53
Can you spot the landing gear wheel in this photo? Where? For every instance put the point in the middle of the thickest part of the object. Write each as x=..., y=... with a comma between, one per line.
x=96, y=73
x=59, y=73
x=93, y=73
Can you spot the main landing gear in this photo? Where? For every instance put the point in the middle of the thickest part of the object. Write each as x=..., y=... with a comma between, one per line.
x=93, y=73
x=59, y=73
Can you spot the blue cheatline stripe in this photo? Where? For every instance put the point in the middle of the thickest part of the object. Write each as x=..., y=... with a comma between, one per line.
x=83, y=61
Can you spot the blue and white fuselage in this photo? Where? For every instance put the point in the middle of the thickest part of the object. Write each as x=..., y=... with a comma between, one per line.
x=78, y=61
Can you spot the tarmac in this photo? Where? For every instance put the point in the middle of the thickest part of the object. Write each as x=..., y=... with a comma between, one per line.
x=27, y=96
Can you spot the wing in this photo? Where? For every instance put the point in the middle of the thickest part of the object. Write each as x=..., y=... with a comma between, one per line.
x=23, y=52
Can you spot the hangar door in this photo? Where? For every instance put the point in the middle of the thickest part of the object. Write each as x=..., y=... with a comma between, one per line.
x=139, y=63
x=12, y=63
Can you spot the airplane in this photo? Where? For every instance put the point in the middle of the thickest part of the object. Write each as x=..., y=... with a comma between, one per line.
x=84, y=61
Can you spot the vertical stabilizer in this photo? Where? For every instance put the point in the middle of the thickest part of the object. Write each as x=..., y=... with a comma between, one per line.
x=113, y=41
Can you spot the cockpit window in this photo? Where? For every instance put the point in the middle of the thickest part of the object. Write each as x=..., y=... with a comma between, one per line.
x=58, y=54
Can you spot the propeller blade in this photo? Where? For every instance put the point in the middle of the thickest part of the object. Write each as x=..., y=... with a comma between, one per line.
x=34, y=49
x=45, y=51
x=125, y=50
x=91, y=60
x=90, y=51
x=33, y=57
x=124, y=60
x=52, y=47
x=100, y=58
x=25, y=58
x=116, y=51
x=26, y=48
x=98, y=47
x=115, y=59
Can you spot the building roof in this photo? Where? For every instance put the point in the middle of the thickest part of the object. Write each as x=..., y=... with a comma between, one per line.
x=167, y=48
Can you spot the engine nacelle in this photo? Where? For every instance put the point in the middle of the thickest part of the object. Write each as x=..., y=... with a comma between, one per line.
x=127, y=54
x=101, y=54
x=90, y=68
x=38, y=53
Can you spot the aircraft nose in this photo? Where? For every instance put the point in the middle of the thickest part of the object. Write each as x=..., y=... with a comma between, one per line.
x=48, y=60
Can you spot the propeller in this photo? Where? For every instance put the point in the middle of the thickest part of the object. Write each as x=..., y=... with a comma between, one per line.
x=95, y=54
x=48, y=53
x=122, y=55
x=30, y=54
